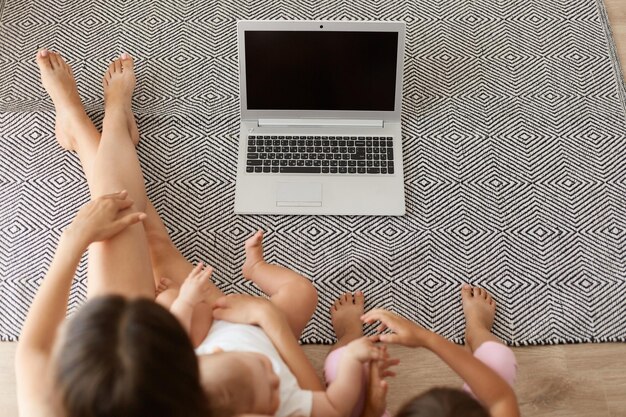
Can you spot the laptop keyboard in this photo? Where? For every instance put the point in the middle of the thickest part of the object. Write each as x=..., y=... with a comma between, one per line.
x=319, y=154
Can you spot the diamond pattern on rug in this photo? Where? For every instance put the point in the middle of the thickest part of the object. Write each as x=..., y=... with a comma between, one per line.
x=514, y=128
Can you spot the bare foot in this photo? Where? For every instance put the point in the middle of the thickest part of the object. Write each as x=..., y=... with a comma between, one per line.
x=163, y=285
x=118, y=84
x=346, y=315
x=479, y=310
x=254, y=254
x=58, y=80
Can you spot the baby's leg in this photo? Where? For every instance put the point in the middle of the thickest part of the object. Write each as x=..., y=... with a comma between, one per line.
x=479, y=310
x=288, y=290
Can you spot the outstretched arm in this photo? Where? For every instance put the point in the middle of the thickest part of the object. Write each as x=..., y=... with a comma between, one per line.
x=258, y=311
x=488, y=387
x=94, y=222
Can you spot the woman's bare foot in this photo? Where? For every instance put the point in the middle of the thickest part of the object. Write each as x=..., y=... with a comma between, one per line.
x=346, y=315
x=479, y=310
x=118, y=84
x=58, y=80
x=254, y=254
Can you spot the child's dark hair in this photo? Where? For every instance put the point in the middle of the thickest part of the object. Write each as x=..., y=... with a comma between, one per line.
x=123, y=357
x=443, y=402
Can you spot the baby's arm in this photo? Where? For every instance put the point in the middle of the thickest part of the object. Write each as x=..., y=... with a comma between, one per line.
x=342, y=394
x=488, y=387
x=193, y=291
x=240, y=308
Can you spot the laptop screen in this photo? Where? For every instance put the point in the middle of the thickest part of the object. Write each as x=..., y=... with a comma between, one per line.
x=304, y=70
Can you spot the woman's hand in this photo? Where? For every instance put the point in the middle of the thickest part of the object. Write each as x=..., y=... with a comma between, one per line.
x=245, y=309
x=403, y=331
x=99, y=219
x=196, y=286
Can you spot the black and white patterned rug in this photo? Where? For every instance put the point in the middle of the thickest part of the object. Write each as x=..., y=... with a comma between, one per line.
x=514, y=151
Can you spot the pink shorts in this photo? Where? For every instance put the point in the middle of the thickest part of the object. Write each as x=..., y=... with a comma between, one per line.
x=493, y=354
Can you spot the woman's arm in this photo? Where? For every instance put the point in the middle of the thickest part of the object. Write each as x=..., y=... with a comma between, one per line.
x=488, y=387
x=44, y=318
x=95, y=221
x=247, y=309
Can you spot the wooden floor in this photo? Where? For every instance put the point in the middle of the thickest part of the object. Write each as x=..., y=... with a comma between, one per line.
x=557, y=381
x=554, y=381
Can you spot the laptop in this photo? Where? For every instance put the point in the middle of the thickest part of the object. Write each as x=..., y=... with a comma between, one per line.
x=320, y=118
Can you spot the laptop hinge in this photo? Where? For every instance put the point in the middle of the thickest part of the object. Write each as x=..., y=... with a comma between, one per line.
x=320, y=122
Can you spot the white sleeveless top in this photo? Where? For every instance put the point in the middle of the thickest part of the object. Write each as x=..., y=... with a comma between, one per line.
x=234, y=337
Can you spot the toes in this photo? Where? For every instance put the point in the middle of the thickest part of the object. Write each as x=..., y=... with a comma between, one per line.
x=359, y=298
x=466, y=291
x=55, y=59
x=485, y=294
x=127, y=62
x=477, y=292
x=43, y=59
x=109, y=73
x=117, y=65
x=347, y=298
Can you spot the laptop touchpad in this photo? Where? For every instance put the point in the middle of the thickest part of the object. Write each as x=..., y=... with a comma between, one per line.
x=299, y=194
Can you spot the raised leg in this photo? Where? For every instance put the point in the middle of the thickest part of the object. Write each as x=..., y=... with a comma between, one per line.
x=288, y=290
x=346, y=318
x=479, y=310
x=75, y=131
x=120, y=265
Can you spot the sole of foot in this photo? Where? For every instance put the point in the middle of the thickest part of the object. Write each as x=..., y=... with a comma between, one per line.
x=254, y=254
x=346, y=314
x=479, y=309
x=118, y=84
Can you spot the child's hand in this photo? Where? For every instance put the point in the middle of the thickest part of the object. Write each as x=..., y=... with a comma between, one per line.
x=363, y=350
x=376, y=397
x=405, y=332
x=196, y=285
x=245, y=309
x=99, y=219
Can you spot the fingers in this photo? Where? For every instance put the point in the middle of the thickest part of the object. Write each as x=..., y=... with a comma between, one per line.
x=124, y=222
x=120, y=195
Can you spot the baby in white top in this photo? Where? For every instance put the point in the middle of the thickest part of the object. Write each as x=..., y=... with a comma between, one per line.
x=250, y=358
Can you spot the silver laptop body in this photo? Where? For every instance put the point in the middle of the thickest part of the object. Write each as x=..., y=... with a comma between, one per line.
x=320, y=118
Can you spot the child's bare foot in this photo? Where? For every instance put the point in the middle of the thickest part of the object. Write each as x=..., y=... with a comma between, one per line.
x=162, y=285
x=346, y=315
x=58, y=80
x=254, y=254
x=479, y=310
x=118, y=84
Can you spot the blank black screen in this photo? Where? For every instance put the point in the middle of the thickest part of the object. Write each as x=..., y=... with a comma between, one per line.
x=321, y=70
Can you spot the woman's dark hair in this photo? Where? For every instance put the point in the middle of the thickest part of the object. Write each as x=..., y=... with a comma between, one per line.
x=443, y=402
x=123, y=357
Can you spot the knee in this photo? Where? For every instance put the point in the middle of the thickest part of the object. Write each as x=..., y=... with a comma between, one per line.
x=159, y=245
x=308, y=293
